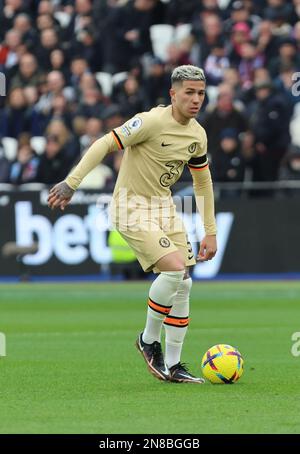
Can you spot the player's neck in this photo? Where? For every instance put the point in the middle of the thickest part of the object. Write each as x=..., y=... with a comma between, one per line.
x=179, y=117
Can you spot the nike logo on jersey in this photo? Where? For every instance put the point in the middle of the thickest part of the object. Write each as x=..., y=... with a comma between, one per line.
x=166, y=144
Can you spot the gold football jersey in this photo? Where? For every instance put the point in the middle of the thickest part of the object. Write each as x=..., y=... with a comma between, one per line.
x=157, y=148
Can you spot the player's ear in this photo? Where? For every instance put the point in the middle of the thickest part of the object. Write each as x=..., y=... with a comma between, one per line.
x=172, y=93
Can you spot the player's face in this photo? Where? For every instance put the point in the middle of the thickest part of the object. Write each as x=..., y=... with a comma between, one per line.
x=187, y=98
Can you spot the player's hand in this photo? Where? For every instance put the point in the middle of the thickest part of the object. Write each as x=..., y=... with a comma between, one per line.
x=59, y=196
x=208, y=248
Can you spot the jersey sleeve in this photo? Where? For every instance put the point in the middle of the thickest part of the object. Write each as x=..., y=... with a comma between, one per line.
x=138, y=129
x=200, y=160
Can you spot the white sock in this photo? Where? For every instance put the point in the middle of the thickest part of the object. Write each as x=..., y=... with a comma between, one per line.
x=161, y=295
x=176, y=323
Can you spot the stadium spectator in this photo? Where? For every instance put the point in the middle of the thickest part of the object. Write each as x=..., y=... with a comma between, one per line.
x=9, y=50
x=55, y=85
x=228, y=164
x=59, y=63
x=240, y=34
x=290, y=170
x=92, y=104
x=13, y=118
x=270, y=125
x=48, y=42
x=266, y=42
x=8, y=14
x=224, y=115
x=4, y=165
x=240, y=12
x=179, y=12
x=130, y=98
x=156, y=84
x=24, y=168
x=215, y=64
x=52, y=58
x=54, y=164
x=288, y=55
x=251, y=60
x=208, y=33
x=23, y=24
x=67, y=141
x=28, y=72
x=129, y=34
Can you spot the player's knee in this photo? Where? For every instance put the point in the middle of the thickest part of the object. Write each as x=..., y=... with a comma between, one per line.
x=178, y=266
x=171, y=262
x=186, y=286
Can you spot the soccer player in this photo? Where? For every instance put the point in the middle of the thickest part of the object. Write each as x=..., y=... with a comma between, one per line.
x=158, y=144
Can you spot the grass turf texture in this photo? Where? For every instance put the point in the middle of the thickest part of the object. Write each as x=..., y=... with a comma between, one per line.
x=71, y=364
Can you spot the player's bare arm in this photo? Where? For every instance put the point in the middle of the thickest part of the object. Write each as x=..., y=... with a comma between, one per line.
x=60, y=195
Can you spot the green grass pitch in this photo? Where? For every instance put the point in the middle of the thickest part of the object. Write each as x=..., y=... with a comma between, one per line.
x=71, y=364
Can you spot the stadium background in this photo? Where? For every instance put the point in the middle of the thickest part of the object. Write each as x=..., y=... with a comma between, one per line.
x=74, y=70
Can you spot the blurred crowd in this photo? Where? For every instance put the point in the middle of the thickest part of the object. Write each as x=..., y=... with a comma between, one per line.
x=58, y=56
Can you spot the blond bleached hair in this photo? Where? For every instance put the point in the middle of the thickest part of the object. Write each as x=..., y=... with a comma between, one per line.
x=187, y=72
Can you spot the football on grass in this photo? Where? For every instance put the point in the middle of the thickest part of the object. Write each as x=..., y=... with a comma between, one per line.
x=222, y=363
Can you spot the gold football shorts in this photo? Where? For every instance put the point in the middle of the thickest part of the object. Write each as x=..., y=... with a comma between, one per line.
x=152, y=239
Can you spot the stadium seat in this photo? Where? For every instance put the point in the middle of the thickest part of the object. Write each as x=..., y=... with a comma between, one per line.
x=6, y=187
x=105, y=80
x=32, y=186
x=63, y=18
x=212, y=93
x=162, y=35
x=182, y=31
x=119, y=77
x=38, y=143
x=10, y=146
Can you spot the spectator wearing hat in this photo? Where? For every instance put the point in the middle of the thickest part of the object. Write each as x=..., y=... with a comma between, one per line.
x=278, y=10
x=279, y=13
x=240, y=34
x=240, y=12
